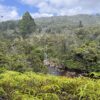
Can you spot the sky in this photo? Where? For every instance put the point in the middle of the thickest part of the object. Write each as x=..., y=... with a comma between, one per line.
x=14, y=9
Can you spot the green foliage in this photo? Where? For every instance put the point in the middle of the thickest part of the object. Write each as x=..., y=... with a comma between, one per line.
x=21, y=56
x=66, y=42
x=66, y=49
x=74, y=64
x=88, y=54
x=31, y=86
x=94, y=74
x=27, y=24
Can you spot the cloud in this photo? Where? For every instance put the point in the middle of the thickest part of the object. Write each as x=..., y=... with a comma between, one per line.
x=8, y=13
x=37, y=15
x=31, y=2
x=64, y=7
x=63, y=3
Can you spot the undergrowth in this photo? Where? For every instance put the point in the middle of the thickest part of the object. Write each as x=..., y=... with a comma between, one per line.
x=32, y=86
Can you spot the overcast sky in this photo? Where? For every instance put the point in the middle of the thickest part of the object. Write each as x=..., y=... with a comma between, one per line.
x=13, y=9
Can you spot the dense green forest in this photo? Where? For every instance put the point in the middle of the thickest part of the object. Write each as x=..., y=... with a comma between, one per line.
x=68, y=43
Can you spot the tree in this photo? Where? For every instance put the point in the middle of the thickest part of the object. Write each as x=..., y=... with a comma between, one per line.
x=88, y=55
x=80, y=24
x=27, y=25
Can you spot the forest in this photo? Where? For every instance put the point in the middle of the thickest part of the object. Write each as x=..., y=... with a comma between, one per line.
x=56, y=58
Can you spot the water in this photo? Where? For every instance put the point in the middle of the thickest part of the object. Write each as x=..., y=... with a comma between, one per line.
x=57, y=72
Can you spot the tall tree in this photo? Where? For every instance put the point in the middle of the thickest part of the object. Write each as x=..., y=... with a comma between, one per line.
x=27, y=24
x=80, y=24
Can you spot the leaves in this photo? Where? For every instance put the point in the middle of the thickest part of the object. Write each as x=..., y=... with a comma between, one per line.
x=32, y=86
x=27, y=25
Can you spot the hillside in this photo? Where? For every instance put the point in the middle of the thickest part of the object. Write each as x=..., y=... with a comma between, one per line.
x=55, y=58
x=56, y=22
x=49, y=49
x=70, y=20
x=70, y=46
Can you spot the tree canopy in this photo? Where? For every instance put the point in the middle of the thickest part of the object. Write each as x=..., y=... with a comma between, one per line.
x=27, y=24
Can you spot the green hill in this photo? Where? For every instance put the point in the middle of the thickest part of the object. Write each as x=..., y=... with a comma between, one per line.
x=62, y=22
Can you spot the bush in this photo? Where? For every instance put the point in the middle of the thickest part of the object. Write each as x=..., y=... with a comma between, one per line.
x=31, y=86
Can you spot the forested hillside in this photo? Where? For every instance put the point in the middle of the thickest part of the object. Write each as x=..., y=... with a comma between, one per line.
x=73, y=41
x=58, y=22
x=31, y=48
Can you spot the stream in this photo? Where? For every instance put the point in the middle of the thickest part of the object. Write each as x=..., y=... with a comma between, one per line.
x=66, y=72
x=57, y=72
